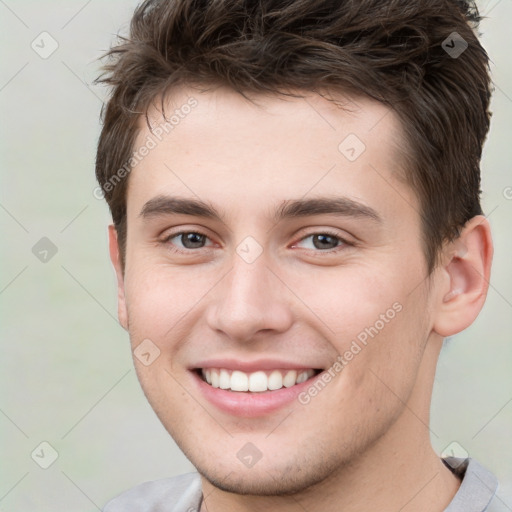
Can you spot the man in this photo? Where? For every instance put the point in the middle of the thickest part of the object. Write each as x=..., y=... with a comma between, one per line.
x=295, y=188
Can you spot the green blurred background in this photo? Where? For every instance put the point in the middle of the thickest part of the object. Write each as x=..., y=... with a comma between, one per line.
x=66, y=370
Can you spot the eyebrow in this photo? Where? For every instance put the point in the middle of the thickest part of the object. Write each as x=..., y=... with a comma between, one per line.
x=289, y=209
x=342, y=206
x=167, y=205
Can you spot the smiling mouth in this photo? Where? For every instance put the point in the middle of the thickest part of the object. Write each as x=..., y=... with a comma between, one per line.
x=255, y=382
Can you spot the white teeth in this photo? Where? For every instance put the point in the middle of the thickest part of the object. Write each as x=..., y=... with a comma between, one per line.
x=239, y=381
x=275, y=380
x=258, y=381
x=290, y=379
x=215, y=379
x=224, y=380
x=302, y=377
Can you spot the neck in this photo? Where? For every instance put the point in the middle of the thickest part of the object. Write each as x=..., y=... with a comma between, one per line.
x=400, y=471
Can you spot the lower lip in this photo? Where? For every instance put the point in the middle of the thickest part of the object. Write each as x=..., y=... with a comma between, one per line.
x=251, y=405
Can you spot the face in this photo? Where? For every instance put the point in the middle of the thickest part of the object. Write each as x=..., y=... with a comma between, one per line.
x=273, y=251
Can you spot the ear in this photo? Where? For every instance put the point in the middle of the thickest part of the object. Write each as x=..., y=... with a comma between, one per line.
x=116, y=261
x=466, y=267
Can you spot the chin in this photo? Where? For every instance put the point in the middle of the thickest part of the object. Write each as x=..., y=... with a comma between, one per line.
x=263, y=484
x=268, y=477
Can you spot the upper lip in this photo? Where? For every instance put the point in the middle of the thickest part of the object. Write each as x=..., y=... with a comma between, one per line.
x=252, y=366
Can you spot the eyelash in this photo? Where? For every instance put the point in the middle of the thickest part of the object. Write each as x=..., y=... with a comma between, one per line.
x=343, y=242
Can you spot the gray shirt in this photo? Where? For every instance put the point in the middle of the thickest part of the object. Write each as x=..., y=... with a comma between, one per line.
x=183, y=493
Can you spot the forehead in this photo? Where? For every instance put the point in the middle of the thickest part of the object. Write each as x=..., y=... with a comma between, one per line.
x=221, y=146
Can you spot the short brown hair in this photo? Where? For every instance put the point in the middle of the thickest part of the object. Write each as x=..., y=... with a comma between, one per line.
x=394, y=51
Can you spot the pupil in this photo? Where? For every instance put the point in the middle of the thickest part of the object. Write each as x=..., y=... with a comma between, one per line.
x=322, y=239
x=195, y=239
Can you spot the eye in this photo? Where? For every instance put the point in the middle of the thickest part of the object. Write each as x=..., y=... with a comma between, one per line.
x=184, y=241
x=324, y=241
x=187, y=241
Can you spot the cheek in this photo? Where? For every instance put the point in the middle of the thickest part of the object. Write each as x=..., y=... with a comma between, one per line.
x=372, y=319
x=350, y=300
x=159, y=298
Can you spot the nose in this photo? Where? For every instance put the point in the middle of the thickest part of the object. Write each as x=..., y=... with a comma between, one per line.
x=249, y=300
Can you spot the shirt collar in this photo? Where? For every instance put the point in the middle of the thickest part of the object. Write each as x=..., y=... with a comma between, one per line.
x=477, y=488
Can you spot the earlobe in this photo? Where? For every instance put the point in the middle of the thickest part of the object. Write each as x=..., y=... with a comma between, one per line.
x=467, y=268
x=116, y=262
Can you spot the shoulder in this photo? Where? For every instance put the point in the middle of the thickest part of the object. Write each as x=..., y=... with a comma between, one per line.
x=179, y=494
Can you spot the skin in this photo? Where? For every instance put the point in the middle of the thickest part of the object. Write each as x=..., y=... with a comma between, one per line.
x=363, y=442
